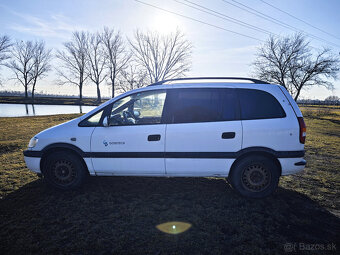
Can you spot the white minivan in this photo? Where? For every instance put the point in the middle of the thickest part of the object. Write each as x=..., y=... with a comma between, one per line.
x=251, y=132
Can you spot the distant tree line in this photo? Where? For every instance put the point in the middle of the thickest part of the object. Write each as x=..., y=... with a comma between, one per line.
x=99, y=57
x=331, y=100
x=107, y=57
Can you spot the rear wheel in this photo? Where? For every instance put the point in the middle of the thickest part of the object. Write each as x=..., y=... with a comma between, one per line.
x=64, y=170
x=255, y=176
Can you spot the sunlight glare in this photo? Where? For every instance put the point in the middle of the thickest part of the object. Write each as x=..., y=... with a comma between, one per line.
x=166, y=23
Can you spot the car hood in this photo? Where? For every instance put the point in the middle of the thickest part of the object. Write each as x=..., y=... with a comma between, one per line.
x=59, y=133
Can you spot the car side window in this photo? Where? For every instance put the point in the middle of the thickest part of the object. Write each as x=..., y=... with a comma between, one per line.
x=142, y=108
x=93, y=120
x=258, y=104
x=203, y=105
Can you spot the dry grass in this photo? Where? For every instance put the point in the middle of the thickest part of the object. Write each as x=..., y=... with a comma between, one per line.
x=321, y=178
x=114, y=215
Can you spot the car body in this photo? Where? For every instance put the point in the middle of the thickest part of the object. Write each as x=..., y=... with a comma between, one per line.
x=187, y=129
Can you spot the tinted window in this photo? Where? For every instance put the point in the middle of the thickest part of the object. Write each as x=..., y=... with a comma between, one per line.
x=202, y=105
x=258, y=104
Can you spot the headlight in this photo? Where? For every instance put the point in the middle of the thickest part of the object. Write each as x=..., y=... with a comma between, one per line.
x=32, y=142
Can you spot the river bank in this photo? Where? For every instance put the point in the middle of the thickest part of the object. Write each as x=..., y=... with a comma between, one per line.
x=49, y=100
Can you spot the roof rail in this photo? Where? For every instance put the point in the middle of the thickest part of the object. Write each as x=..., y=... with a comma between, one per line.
x=209, y=78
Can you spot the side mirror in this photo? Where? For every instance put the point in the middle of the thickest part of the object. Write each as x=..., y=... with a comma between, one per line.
x=136, y=113
x=106, y=121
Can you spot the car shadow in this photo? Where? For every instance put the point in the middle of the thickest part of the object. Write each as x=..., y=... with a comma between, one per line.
x=120, y=214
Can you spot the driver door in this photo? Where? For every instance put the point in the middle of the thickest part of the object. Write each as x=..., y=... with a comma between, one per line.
x=134, y=141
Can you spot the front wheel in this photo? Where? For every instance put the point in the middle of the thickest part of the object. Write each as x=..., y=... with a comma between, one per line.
x=64, y=170
x=255, y=177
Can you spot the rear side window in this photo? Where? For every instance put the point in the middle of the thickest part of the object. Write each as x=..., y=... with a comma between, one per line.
x=202, y=105
x=258, y=104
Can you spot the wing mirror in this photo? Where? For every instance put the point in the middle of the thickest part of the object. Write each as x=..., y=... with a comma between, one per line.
x=136, y=113
x=106, y=121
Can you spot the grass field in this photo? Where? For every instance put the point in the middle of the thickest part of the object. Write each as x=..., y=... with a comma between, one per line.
x=115, y=215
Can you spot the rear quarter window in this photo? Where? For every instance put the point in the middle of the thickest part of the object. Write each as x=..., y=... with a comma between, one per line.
x=258, y=104
x=192, y=105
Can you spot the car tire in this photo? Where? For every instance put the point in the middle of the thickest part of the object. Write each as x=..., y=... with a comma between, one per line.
x=255, y=177
x=64, y=170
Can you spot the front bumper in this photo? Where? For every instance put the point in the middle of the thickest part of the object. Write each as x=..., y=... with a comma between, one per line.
x=33, y=163
x=32, y=154
x=33, y=159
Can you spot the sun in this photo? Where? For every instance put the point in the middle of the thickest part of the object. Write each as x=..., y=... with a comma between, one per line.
x=165, y=23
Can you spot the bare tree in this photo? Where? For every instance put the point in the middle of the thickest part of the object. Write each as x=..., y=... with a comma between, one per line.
x=5, y=44
x=96, y=61
x=132, y=78
x=73, y=62
x=41, y=60
x=290, y=62
x=116, y=55
x=163, y=57
x=22, y=63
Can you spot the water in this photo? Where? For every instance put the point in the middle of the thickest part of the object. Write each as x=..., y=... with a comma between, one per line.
x=18, y=110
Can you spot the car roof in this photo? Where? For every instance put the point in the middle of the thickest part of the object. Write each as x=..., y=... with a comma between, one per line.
x=182, y=85
x=213, y=82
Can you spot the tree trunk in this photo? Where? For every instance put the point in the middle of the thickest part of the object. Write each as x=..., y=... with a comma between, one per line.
x=113, y=87
x=33, y=88
x=99, y=99
x=80, y=94
x=33, y=95
x=26, y=93
x=297, y=94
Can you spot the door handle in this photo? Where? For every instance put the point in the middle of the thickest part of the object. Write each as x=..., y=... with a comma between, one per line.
x=154, y=138
x=228, y=135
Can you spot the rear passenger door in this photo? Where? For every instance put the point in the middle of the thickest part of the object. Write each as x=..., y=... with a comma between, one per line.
x=203, y=133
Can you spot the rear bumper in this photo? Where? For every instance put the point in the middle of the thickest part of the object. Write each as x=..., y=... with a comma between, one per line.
x=301, y=163
x=292, y=165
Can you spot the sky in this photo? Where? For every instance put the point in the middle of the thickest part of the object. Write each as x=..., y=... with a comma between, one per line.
x=217, y=51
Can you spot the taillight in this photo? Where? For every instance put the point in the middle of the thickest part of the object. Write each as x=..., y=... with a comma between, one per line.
x=302, y=130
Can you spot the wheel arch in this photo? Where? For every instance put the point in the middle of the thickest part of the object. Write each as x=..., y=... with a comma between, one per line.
x=257, y=151
x=64, y=147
